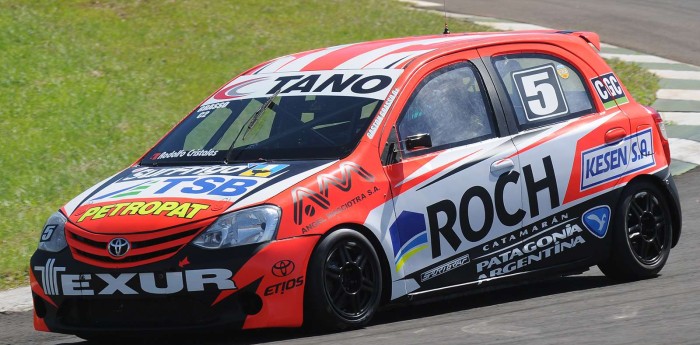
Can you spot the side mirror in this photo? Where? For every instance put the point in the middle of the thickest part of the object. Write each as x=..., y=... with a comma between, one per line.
x=418, y=141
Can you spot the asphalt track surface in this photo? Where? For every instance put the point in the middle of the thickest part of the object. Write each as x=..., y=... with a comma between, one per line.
x=583, y=309
x=668, y=28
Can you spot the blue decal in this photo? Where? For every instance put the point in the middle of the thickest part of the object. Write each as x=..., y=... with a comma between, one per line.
x=596, y=220
x=609, y=162
x=129, y=191
x=408, y=236
x=263, y=170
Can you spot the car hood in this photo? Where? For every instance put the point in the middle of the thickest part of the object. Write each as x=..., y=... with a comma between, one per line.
x=141, y=199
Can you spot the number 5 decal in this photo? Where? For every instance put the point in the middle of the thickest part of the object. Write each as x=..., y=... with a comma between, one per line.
x=540, y=92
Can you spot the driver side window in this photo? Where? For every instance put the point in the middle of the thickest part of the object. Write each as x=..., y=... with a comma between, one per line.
x=451, y=106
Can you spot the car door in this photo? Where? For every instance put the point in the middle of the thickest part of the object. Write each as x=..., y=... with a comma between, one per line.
x=453, y=175
x=567, y=143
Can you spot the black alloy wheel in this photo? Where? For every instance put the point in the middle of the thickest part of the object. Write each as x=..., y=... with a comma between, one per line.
x=646, y=228
x=351, y=279
x=344, y=287
x=642, y=234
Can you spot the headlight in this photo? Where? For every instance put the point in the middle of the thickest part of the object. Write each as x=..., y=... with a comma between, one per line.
x=253, y=225
x=53, y=238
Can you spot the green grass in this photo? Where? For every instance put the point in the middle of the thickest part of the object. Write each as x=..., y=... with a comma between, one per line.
x=641, y=83
x=87, y=86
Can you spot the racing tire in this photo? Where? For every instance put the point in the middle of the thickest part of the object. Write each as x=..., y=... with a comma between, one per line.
x=642, y=234
x=344, y=285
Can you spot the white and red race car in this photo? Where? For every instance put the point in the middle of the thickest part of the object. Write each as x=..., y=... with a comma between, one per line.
x=315, y=187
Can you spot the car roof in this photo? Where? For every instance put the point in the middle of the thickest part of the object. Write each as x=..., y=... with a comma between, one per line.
x=398, y=53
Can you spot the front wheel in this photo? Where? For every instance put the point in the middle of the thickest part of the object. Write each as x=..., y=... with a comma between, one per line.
x=344, y=282
x=642, y=234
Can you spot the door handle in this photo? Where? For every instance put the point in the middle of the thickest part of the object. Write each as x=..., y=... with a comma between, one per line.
x=502, y=164
x=614, y=135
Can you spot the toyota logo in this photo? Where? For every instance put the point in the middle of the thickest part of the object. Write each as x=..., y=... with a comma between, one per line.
x=283, y=268
x=118, y=247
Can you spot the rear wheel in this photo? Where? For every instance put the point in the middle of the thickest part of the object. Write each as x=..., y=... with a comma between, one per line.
x=344, y=282
x=642, y=234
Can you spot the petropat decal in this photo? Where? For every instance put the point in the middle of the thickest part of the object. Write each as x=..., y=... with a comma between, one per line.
x=55, y=282
x=360, y=83
x=609, y=162
x=596, y=220
x=185, y=210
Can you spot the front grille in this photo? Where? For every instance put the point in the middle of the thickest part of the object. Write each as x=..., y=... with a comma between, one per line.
x=146, y=248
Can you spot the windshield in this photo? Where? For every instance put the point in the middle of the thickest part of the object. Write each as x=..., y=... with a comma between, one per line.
x=267, y=128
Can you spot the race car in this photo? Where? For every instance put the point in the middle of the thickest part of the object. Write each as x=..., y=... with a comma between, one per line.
x=314, y=188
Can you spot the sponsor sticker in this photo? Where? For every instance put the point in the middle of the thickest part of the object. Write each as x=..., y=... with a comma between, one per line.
x=609, y=90
x=306, y=200
x=531, y=251
x=612, y=161
x=373, y=83
x=596, y=220
x=451, y=221
x=215, y=186
x=148, y=172
x=187, y=210
x=281, y=288
x=55, y=281
x=563, y=71
x=444, y=268
x=264, y=170
x=408, y=236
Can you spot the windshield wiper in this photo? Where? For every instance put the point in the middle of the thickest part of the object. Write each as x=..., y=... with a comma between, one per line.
x=248, y=125
x=254, y=119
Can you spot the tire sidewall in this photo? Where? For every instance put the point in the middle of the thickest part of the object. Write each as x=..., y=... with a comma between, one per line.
x=319, y=312
x=623, y=245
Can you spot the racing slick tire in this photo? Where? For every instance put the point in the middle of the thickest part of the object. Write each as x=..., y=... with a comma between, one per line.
x=344, y=282
x=642, y=234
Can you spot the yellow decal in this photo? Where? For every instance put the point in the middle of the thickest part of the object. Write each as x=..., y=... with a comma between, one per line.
x=169, y=208
x=264, y=170
x=563, y=71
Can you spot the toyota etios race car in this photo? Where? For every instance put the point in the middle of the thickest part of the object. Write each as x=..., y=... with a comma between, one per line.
x=315, y=187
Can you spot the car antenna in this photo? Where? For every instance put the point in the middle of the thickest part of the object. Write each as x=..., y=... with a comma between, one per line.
x=444, y=9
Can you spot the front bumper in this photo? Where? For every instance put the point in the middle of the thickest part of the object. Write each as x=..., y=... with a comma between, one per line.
x=246, y=287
